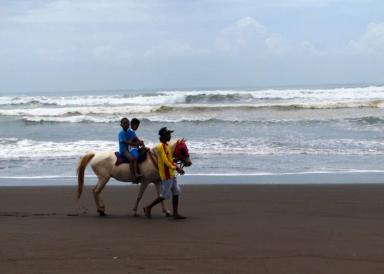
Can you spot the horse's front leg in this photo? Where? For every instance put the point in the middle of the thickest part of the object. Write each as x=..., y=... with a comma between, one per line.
x=163, y=208
x=143, y=187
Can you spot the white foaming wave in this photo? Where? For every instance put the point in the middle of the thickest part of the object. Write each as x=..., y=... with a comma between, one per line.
x=331, y=104
x=204, y=96
x=179, y=113
x=260, y=146
x=355, y=93
x=61, y=101
x=72, y=119
x=293, y=104
x=209, y=117
x=24, y=149
x=152, y=119
x=8, y=140
x=176, y=120
x=13, y=148
x=96, y=110
x=105, y=100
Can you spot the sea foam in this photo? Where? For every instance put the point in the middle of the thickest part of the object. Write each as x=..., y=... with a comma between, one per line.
x=14, y=149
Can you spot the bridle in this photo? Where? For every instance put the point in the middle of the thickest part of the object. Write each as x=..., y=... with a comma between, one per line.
x=180, y=156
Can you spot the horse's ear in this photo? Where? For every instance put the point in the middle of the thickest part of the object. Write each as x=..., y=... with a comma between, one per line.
x=184, y=140
x=178, y=141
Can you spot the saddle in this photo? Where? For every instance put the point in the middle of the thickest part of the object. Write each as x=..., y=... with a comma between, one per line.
x=121, y=159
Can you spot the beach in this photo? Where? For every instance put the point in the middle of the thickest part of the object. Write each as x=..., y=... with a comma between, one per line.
x=270, y=229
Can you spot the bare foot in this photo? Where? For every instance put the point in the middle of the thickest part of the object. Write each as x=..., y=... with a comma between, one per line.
x=147, y=212
x=179, y=217
x=167, y=213
x=101, y=213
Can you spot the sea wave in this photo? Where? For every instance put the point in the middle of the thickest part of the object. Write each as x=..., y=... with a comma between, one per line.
x=75, y=111
x=360, y=122
x=14, y=148
x=311, y=113
x=181, y=106
x=185, y=108
x=101, y=100
x=266, y=97
x=283, y=106
x=25, y=149
x=368, y=120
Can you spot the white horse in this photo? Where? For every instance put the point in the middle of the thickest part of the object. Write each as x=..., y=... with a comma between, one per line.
x=104, y=166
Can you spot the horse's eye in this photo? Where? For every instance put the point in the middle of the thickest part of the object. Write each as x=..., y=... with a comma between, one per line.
x=183, y=152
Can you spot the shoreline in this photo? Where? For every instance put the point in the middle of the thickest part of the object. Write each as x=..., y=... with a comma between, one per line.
x=372, y=177
x=266, y=229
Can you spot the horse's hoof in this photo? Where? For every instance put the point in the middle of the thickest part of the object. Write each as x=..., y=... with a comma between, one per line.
x=101, y=213
x=168, y=213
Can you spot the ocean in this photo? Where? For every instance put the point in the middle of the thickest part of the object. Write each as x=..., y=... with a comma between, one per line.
x=276, y=135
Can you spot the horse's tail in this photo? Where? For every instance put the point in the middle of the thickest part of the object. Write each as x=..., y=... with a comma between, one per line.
x=83, y=162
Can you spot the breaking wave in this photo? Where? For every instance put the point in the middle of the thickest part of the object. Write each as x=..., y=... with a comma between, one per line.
x=199, y=106
x=19, y=149
x=303, y=96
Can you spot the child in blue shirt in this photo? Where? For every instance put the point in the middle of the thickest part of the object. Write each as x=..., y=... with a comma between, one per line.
x=123, y=137
x=127, y=146
x=134, y=144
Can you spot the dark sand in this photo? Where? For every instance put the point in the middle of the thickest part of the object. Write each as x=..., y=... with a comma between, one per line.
x=231, y=229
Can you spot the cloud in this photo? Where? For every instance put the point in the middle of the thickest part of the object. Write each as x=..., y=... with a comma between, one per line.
x=315, y=3
x=277, y=44
x=248, y=34
x=111, y=53
x=292, y=4
x=306, y=47
x=237, y=35
x=123, y=42
x=372, y=42
x=85, y=11
x=172, y=48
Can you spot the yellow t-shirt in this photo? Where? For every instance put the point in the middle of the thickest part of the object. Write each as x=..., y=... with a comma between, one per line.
x=165, y=162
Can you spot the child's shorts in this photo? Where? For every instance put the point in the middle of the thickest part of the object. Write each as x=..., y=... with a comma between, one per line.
x=134, y=152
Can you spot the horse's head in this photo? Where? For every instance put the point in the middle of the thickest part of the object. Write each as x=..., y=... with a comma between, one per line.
x=181, y=152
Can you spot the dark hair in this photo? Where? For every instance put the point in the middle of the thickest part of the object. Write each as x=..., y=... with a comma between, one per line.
x=164, y=132
x=124, y=119
x=135, y=121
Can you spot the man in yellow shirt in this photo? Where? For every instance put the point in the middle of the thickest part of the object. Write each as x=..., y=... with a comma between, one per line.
x=167, y=174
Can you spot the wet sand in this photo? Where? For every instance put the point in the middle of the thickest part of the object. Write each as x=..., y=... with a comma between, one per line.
x=231, y=229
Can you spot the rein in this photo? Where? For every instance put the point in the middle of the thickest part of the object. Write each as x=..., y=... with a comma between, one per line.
x=153, y=160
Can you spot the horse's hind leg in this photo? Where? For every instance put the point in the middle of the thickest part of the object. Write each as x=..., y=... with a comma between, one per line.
x=143, y=187
x=97, y=194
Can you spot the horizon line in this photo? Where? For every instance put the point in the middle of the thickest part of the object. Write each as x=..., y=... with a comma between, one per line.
x=199, y=88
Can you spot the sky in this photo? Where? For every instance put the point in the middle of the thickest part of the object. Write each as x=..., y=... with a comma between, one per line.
x=190, y=44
